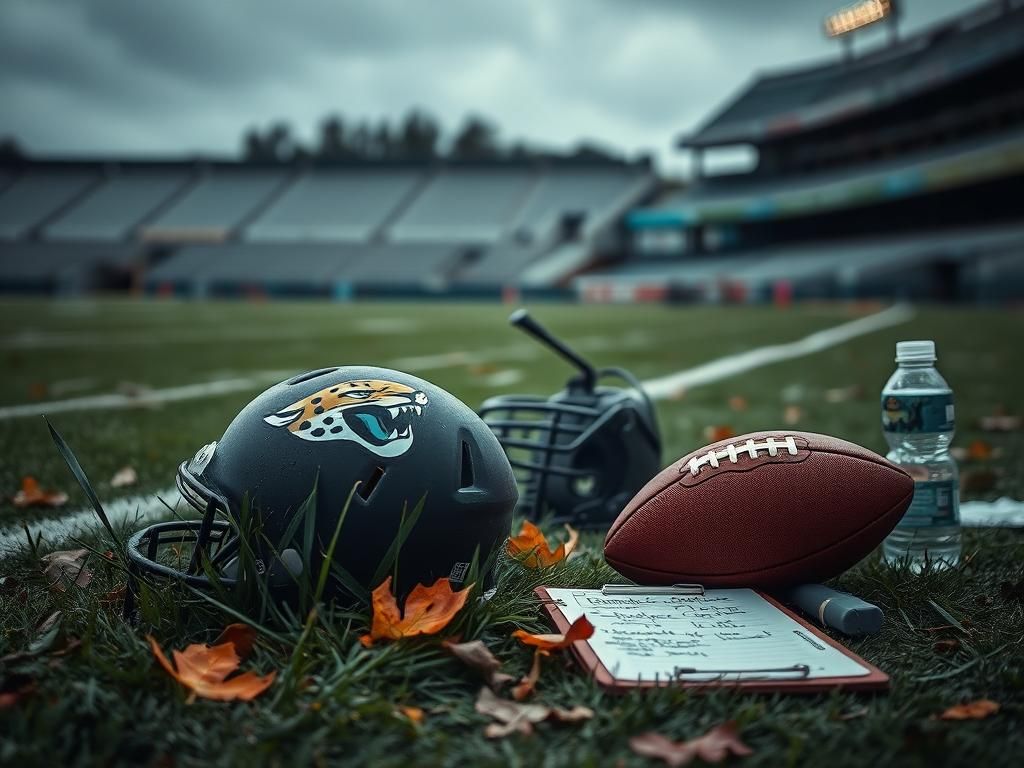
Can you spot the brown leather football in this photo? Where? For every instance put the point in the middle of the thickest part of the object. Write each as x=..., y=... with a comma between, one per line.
x=760, y=510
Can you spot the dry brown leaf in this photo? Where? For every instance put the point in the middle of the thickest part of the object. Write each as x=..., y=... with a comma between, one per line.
x=517, y=717
x=738, y=403
x=792, y=414
x=581, y=629
x=203, y=669
x=973, y=710
x=714, y=433
x=427, y=611
x=241, y=635
x=531, y=547
x=124, y=477
x=713, y=747
x=67, y=567
x=477, y=655
x=31, y=495
x=529, y=681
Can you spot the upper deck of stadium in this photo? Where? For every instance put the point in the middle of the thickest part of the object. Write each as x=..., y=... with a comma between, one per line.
x=777, y=105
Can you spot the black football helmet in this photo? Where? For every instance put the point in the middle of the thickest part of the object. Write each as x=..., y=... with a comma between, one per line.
x=399, y=437
x=582, y=453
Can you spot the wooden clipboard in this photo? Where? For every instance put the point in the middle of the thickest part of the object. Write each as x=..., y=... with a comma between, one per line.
x=875, y=680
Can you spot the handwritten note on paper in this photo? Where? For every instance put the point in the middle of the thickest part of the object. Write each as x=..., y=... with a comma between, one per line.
x=653, y=637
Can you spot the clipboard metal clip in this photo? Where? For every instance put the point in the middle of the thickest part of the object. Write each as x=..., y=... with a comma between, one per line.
x=638, y=589
x=795, y=672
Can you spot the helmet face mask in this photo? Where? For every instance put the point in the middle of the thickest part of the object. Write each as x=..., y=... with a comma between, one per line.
x=578, y=458
x=584, y=452
x=366, y=442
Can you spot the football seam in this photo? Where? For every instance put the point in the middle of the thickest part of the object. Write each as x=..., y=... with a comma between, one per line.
x=772, y=567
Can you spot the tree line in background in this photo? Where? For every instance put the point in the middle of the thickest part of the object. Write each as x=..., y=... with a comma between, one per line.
x=416, y=136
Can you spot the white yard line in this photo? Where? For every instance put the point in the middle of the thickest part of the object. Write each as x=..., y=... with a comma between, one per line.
x=135, y=509
x=724, y=367
x=146, y=507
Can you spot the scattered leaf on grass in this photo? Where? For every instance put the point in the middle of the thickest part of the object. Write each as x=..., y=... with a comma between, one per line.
x=203, y=669
x=427, y=611
x=792, y=414
x=715, y=432
x=477, y=655
x=517, y=717
x=974, y=710
x=529, y=681
x=531, y=547
x=124, y=477
x=979, y=450
x=581, y=629
x=738, y=403
x=713, y=747
x=242, y=636
x=67, y=567
x=415, y=714
x=1001, y=422
x=31, y=495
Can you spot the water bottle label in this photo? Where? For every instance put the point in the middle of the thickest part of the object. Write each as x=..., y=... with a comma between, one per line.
x=917, y=413
x=935, y=504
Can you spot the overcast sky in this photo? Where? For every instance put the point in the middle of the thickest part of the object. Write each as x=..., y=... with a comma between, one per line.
x=187, y=76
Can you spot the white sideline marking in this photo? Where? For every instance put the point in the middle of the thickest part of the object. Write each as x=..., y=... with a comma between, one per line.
x=119, y=511
x=716, y=370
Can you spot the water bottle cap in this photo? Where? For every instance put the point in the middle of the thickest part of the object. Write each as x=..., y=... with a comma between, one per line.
x=915, y=352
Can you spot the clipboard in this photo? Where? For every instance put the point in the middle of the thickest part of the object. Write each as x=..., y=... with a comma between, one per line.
x=875, y=680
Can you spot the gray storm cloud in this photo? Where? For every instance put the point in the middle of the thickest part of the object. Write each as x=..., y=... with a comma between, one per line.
x=186, y=76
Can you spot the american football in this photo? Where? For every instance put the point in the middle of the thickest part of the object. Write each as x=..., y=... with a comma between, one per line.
x=765, y=509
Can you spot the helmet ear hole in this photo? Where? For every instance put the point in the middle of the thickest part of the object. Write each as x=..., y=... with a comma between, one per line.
x=369, y=485
x=467, y=480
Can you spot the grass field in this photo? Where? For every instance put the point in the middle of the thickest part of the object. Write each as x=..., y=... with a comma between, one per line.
x=334, y=701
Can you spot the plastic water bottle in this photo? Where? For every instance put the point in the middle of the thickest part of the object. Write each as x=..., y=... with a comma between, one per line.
x=918, y=421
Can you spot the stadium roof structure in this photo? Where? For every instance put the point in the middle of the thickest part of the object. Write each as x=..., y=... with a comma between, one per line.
x=780, y=104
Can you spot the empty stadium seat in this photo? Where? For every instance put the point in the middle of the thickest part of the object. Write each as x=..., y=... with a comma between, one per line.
x=342, y=205
x=37, y=195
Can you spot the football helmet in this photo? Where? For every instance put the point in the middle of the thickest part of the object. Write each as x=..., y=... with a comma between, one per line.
x=582, y=453
x=399, y=437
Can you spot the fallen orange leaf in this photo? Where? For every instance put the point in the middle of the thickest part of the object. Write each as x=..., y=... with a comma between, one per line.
x=31, y=495
x=529, y=682
x=427, y=611
x=738, y=403
x=581, y=629
x=979, y=450
x=531, y=547
x=516, y=717
x=974, y=710
x=713, y=747
x=415, y=714
x=714, y=433
x=203, y=669
x=792, y=414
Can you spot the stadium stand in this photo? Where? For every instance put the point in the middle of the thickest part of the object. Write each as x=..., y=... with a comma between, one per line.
x=888, y=174
x=465, y=206
x=214, y=206
x=35, y=196
x=331, y=205
x=117, y=206
x=33, y=267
